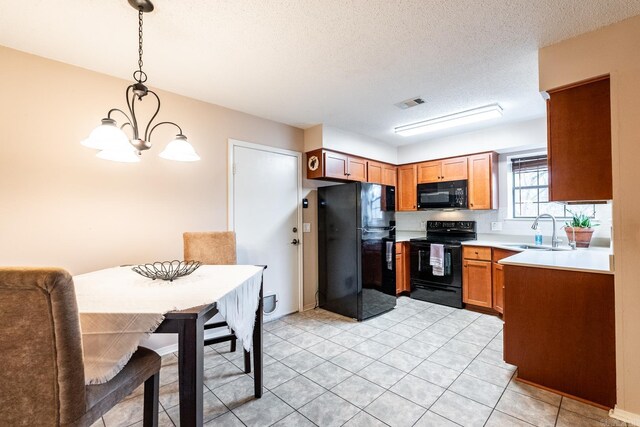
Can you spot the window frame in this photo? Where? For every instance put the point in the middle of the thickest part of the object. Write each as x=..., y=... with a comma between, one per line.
x=512, y=181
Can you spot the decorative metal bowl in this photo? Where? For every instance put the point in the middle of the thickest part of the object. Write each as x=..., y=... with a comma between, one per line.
x=167, y=270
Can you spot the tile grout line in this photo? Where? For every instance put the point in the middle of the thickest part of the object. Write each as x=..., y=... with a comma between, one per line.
x=461, y=372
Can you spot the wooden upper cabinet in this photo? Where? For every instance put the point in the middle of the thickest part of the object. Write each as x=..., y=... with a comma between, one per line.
x=483, y=180
x=374, y=172
x=356, y=169
x=389, y=175
x=335, y=165
x=429, y=172
x=326, y=164
x=381, y=173
x=453, y=169
x=579, y=141
x=407, y=188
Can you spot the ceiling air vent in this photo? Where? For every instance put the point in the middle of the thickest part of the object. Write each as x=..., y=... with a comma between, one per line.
x=411, y=102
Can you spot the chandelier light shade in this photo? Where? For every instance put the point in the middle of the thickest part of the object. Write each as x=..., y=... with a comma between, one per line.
x=112, y=141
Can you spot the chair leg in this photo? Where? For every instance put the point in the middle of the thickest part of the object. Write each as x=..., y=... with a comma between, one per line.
x=151, y=394
x=247, y=362
x=233, y=343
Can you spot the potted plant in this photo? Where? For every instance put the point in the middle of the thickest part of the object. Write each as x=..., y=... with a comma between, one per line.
x=579, y=229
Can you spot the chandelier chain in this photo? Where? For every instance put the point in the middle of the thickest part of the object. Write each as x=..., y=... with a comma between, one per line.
x=140, y=13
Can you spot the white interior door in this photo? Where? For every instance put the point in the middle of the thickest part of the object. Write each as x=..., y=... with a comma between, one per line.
x=265, y=191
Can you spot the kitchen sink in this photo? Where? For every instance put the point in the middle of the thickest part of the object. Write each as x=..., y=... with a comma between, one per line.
x=537, y=247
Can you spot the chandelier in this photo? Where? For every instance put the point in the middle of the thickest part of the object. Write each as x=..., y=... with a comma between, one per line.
x=113, y=142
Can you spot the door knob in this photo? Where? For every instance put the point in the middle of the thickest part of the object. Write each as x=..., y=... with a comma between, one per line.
x=295, y=242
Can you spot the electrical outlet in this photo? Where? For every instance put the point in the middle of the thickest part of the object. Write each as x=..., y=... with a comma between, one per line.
x=306, y=227
x=496, y=226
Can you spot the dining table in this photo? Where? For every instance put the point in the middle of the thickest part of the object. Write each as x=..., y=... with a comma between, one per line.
x=115, y=313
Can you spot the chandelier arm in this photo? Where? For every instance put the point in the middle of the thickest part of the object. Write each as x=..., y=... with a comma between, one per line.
x=122, y=112
x=163, y=123
x=147, y=134
x=132, y=110
x=126, y=124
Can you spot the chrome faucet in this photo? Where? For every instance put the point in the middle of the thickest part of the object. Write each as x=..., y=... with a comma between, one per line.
x=555, y=241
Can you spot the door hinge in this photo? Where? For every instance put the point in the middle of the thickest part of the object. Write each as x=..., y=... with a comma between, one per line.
x=233, y=169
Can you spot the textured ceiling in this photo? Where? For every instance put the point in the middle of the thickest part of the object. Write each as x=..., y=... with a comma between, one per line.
x=303, y=62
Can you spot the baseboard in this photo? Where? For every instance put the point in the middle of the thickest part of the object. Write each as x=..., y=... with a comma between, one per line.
x=626, y=416
x=309, y=306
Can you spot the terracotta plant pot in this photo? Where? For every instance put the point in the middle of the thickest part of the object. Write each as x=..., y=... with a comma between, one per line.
x=583, y=236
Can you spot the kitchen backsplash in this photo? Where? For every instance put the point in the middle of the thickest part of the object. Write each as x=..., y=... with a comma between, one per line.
x=414, y=221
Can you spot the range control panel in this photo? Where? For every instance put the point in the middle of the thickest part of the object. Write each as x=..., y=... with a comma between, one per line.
x=451, y=225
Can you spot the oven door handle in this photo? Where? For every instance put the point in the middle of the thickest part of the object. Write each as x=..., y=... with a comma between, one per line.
x=420, y=252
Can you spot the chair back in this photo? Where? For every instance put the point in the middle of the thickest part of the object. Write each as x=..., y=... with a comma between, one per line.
x=41, y=348
x=210, y=247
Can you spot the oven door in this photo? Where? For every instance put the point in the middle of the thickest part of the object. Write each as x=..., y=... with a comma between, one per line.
x=439, y=195
x=422, y=271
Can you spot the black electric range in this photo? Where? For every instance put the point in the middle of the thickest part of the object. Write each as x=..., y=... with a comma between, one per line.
x=444, y=287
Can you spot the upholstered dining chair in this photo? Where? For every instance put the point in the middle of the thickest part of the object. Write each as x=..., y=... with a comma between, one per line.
x=43, y=380
x=214, y=248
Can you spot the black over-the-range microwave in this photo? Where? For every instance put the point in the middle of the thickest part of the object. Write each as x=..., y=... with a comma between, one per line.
x=443, y=195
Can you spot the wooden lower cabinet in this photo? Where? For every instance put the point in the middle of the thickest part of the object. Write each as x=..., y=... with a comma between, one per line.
x=498, y=278
x=403, y=283
x=476, y=275
x=559, y=330
x=498, y=287
x=483, y=278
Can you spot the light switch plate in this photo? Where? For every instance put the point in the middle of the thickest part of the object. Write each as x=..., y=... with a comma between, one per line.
x=496, y=226
x=306, y=227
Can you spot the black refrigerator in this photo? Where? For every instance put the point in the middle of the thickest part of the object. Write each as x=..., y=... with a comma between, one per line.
x=356, y=249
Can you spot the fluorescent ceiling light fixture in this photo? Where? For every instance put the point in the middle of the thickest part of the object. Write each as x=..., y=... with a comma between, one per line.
x=487, y=112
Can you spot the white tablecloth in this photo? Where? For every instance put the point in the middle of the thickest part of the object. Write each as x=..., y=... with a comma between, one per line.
x=119, y=308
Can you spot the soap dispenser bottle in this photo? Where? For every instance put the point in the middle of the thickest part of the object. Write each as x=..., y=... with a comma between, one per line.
x=538, y=238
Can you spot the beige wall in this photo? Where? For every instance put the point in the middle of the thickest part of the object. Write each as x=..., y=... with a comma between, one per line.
x=614, y=50
x=60, y=205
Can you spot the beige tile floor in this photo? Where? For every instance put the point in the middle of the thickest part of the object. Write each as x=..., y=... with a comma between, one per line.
x=418, y=365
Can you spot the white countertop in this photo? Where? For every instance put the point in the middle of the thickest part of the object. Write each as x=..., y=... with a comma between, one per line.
x=591, y=260
x=585, y=260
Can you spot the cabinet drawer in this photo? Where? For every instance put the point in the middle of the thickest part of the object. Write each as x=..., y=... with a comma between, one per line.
x=476, y=252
